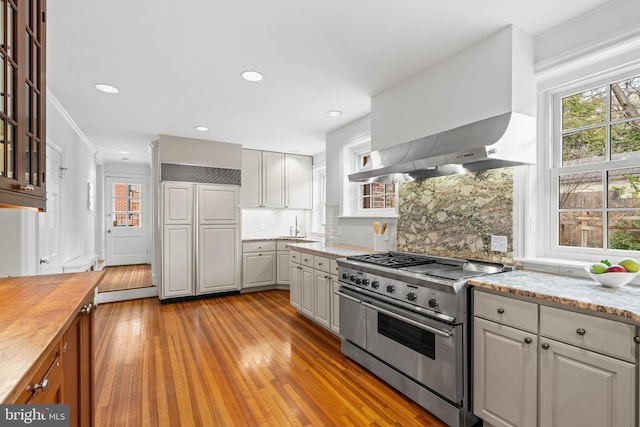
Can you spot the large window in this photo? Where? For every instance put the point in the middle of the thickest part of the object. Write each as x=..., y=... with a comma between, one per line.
x=374, y=195
x=597, y=172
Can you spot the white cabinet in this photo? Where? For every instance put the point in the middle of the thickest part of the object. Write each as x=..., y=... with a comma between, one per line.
x=582, y=388
x=177, y=203
x=573, y=369
x=275, y=180
x=262, y=179
x=505, y=366
x=217, y=205
x=272, y=180
x=323, y=286
x=307, y=284
x=505, y=360
x=258, y=264
x=298, y=173
x=282, y=270
x=587, y=370
x=251, y=179
x=177, y=261
x=295, y=286
x=335, y=305
x=312, y=288
x=218, y=267
x=200, y=239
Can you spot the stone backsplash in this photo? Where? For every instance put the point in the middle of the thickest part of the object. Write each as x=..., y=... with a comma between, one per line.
x=455, y=216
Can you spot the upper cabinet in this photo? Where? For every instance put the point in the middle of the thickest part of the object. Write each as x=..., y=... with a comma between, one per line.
x=275, y=180
x=22, y=104
x=297, y=181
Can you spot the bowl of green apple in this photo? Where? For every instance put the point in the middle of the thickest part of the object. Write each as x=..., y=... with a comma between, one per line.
x=614, y=275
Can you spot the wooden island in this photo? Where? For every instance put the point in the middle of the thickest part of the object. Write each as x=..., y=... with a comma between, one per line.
x=46, y=341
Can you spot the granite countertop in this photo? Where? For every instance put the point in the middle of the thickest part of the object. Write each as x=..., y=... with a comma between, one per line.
x=34, y=313
x=570, y=291
x=330, y=249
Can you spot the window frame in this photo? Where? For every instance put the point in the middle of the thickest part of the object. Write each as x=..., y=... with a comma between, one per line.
x=353, y=152
x=550, y=167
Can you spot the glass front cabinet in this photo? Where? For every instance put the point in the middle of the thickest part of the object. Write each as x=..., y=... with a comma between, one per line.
x=22, y=103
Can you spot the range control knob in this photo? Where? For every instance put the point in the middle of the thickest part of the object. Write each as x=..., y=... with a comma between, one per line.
x=375, y=284
x=411, y=296
x=352, y=277
x=345, y=276
x=358, y=281
x=433, y=303
x=365, y=282
x=391, y=288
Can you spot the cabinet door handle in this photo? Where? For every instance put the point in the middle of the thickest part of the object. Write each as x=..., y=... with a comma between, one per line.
x=528, y=340
x=500, y=311
x=580, y=331
x=319, y=263
x=545, y=346
x=636, y=339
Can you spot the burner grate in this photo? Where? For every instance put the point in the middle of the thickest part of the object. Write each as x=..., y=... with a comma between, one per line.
x=393, y=260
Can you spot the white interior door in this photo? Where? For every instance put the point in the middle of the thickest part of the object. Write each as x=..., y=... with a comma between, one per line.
x=50, y=222
x=127, y=226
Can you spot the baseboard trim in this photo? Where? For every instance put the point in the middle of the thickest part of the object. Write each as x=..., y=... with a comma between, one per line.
x=127, y=294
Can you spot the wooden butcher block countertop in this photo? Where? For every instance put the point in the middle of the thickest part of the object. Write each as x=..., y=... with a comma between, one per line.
x=34, y=313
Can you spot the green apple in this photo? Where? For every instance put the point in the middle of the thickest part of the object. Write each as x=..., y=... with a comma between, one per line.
x=599, y=268
x=630, y=264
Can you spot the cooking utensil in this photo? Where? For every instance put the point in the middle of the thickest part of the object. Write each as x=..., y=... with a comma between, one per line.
x=384, y=228
x=376, y=227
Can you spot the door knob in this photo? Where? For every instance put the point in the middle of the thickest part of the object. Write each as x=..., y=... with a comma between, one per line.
x=108, y=231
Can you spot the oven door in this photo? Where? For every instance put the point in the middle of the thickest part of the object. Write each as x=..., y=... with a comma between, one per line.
x=353, y=318
x=424, y=349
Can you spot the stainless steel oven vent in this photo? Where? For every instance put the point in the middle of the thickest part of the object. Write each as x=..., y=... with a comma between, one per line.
x=201, y=174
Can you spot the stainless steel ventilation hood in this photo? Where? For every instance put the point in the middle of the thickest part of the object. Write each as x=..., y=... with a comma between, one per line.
x=505, y=140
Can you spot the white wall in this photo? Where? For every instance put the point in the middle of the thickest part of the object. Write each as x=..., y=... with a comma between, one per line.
x=79, y=157
x=339, y=229
x=492, y=77
x=19, y=228
x=268, y=223
x=200, y=152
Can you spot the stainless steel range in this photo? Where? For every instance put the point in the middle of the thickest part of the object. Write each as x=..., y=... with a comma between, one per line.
x=405, y=317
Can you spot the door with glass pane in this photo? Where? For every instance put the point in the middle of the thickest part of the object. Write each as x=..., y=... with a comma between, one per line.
x=127, y=224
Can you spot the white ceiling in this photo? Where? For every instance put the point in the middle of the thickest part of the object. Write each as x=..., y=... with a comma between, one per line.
x=178, y=63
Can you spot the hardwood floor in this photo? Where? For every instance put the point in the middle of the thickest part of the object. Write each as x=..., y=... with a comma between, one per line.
x=242, y=360
x=123, y=277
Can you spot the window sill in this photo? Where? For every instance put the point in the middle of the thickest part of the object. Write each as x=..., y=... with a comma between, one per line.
x=563, y=267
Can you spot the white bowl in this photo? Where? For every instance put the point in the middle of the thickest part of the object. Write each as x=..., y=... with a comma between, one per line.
x=611, y=280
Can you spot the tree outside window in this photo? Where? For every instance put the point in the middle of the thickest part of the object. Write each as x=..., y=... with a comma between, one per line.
x=599, y=194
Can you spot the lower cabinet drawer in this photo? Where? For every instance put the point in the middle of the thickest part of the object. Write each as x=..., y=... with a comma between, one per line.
x=307, y=259
x=593, y=333
x=507, y=311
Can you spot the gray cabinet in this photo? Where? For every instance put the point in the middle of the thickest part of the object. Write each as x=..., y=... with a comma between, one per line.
x=275, y=180
x=258, y=264
x=567, y=369
x=505, y=361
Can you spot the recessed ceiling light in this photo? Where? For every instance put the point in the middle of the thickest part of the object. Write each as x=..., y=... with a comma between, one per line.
x=106, y=88
x=334, y=113
x=201, y=128
x=252, y=76
x=123, y=152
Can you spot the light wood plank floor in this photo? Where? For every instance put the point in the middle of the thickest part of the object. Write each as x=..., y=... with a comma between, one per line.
x=123, y=277
x=242, y=360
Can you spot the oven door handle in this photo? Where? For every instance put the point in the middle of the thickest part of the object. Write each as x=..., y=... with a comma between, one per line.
x=349, y=297
x=409, y=321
